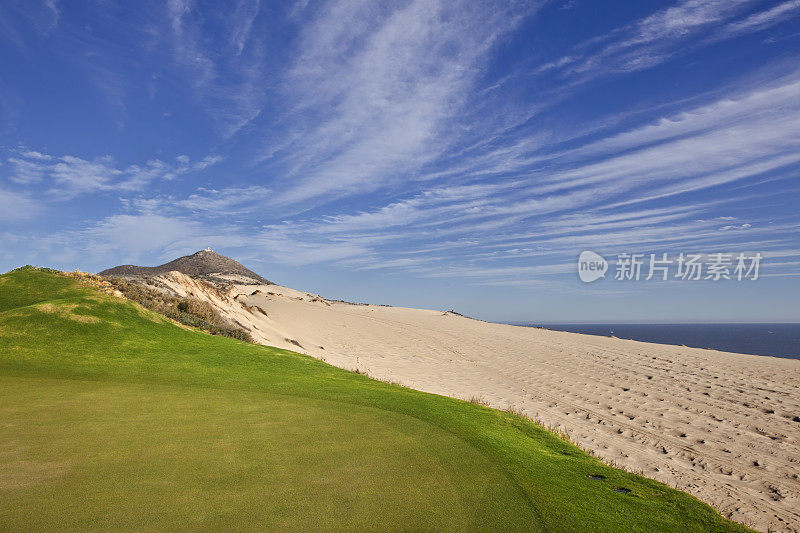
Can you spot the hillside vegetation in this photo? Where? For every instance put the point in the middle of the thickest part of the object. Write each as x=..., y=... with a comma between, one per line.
x=188, y=311
x=113, y=417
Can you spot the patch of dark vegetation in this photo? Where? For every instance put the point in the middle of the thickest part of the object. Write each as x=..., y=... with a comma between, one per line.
x=187, y=311
x=775, y=493
x=292, y=341
x=597, y=477
x=622, y=490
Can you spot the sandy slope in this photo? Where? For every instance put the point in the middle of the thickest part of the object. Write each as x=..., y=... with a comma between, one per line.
x=721, y=426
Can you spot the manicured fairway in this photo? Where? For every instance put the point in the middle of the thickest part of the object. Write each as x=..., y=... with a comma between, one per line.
x=119, y=453
x=112, y=417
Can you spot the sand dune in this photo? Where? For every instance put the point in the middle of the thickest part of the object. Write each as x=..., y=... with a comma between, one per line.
x=721, y=426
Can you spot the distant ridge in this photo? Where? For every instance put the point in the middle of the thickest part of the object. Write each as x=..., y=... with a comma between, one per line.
x=204, y=263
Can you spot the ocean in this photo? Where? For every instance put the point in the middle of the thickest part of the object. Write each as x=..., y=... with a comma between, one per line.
x=778, y=340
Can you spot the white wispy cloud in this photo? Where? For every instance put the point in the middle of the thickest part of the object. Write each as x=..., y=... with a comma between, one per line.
x=16, y=206
x=24, y=24
x=381, y=84
x=732, y=139
x=206, y=162
x=187, y=40
x=52, y=14
x=228, y=77
x=242, y=23
x=683, y=18
x=26, y=172
x=226, y=202
x=68, y=176
x=133, y=235
x=763, y=19
x=286, y=248
x=665, y=34
x=135, y=238
x=32, y=154
x=764, y=103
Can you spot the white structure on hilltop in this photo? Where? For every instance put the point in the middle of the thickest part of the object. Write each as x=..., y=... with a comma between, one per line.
x=208, y=248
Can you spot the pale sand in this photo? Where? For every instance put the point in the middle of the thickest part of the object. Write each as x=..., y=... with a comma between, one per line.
x=717, y=425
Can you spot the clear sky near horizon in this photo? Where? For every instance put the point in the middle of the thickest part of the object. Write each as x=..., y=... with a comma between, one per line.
x=442, y=154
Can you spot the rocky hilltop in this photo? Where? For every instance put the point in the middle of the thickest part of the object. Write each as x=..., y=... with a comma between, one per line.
x=205, y=264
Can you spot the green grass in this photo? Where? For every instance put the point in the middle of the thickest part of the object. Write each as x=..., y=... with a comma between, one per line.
x=112, y=417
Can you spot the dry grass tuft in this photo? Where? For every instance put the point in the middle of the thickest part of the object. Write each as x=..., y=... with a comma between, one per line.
x=479, y=400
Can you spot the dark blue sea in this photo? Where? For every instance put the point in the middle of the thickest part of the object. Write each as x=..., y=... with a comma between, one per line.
x=778, y=340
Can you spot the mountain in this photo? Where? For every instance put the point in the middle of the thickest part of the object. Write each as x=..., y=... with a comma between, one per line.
x=204, y=263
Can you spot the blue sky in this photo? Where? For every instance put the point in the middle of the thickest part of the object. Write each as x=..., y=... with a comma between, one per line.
x=443, y=154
